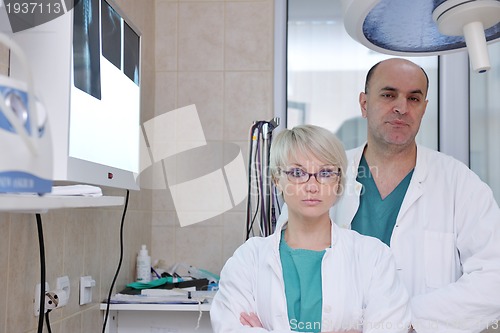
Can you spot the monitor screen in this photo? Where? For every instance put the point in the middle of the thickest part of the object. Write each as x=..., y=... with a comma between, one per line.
x=105, y=95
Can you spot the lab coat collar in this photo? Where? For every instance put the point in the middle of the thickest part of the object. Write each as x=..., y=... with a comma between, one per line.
x=350, y=200
x=421, y=167
x=282, y=226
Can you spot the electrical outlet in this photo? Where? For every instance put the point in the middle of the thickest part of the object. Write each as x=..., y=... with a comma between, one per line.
x=53, y=298
x=36, y=301
x=62, y=284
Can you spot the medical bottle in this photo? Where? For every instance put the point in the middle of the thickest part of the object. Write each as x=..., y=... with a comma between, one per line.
x=143, y=266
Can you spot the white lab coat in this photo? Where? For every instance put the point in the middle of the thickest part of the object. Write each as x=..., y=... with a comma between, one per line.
x=446, y=242
x=359, y=283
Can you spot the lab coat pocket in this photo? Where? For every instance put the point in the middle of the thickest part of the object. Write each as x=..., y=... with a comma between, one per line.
x=438, y=253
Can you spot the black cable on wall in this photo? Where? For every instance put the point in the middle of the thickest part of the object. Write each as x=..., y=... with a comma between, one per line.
x=42, y=273
x=119, y=264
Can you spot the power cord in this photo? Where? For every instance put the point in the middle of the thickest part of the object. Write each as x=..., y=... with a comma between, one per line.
x=42, y=272
x=253, y=143
x=108, y=301
x=259, y=183
x=254, y=151
x=47, y=321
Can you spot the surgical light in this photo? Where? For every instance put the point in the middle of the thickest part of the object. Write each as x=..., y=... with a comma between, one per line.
x=425, y=27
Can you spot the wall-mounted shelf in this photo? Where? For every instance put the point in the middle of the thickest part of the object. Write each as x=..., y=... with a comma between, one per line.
x=21, y=203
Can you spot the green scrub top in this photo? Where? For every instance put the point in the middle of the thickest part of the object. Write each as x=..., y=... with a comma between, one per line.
x=376, y=217
x=303, y=291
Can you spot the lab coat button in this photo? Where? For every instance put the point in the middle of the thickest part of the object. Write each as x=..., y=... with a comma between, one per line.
x=328, y=309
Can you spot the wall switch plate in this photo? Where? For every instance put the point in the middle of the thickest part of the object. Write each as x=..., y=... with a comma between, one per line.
x=86, y=284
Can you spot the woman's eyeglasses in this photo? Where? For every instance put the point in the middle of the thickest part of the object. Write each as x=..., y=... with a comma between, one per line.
x=324, y=176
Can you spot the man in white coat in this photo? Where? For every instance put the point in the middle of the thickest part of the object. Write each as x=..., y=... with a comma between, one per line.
x=440, y=220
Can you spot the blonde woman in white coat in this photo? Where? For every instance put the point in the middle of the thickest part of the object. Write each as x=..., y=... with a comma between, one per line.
x=310, y=275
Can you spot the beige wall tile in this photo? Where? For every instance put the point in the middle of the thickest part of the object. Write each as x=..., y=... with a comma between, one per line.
x=200, y=0
x=54, y=229
x=73, y=257
x=234, y=232
x=137, y=232
x=92, y=244
x=201, y=36
x=110, y=251
x=248, y=98
x=206, y=91
x=200, y=246
x=249, y=36
x=139, y=200
x=4, y=70
x=4, y=60
x=163, y=244
x=72, y=324
x=163, y=219
x=165, y=92
x=92, y=320
x=55, y=325
x=148, y=96
x=162, y=200
x=4, y=54
x=4, y=266
x=166, y=35
x=199, y=162
x=23, y=274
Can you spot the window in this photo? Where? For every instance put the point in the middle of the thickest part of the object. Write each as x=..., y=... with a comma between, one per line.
x=485, y=122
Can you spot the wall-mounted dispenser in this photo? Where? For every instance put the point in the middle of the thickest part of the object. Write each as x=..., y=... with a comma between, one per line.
x=425, y=27
x=26, y=163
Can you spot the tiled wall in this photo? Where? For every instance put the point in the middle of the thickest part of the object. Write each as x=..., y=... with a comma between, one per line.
x=80, y=241
x=217, y=55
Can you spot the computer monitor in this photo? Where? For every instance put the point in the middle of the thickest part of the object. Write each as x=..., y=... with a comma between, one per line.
x=86, y=67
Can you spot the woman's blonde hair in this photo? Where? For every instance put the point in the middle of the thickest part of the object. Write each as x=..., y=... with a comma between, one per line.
x=308, y=140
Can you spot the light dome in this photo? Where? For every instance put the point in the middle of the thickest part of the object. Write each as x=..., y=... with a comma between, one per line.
x=425, y=27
